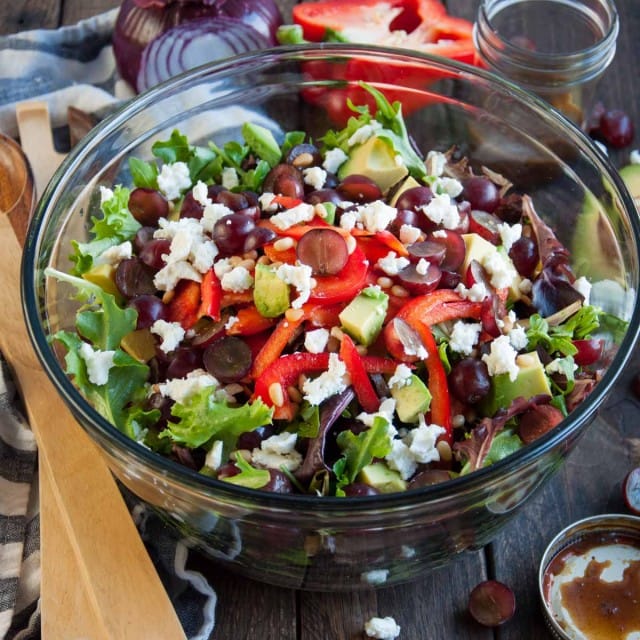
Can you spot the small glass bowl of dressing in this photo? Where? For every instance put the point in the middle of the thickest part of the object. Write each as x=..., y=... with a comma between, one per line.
x=589, y=580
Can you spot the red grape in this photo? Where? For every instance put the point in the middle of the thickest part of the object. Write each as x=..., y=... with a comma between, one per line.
x=481, y=193
x=492, y=603
x=418, y=283
x=455, y=248
x=469, y=380
x=357, y=188
x=485, y=225
x=231, y=231
x=285, y=180
x=324, y=250
x=147, y=206
x=524, y=255
x=616, y=128
x=228, y=359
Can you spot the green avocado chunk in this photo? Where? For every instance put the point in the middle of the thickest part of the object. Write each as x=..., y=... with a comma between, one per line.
x=375, y=159
x=363, y=317
x=530, y=381
x=270, y=294
x=412, y=399
x=379, y=476
x=262, y=142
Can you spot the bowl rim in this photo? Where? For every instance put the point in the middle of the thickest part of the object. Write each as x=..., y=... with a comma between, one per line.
x=31, y=274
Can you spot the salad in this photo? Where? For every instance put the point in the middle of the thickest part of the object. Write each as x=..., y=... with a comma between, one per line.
x=341, y=316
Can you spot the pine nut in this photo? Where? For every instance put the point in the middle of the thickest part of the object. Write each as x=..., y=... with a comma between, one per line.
x=361, y=349
x=276, y=394
x=248, y=264
x=384, y=282
x=444, y=449
x=351, y=244
x=399, y=291
x=294, y=394
x=293, y=315
x=264, y=260
x=282, y=244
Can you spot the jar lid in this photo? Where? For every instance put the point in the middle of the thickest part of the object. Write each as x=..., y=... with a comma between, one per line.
x=589, y=579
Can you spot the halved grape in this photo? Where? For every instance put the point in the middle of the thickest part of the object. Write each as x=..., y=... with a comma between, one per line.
x=258, y=237
x=469, y=380
x=455, y=248
x=228, y=359
x=631, y=491
x=538, y=420
x=182, y=361
x=142, y=237
x=133, y=278
x=230, y=232
x=232, y=200
x=404, y=216
x=358, y=188
x=304, y=155
x=360, y=489
x=429, y=250
x=147, y=206
x=616, y=128
x=492, y=603
x=150, y=308
x=419, y=280
x=284, y=179
x=429, y=477
x=319, y=196
x=414, y=198
x=524, y=255
x=152, y=252
x=190, y=207
x=324, y=250
x=481, y=193
x=402, y=342
x=485, y=225
x=207, y=331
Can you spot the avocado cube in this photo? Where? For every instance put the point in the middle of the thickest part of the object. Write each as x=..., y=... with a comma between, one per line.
x=412, y=399
x=270, y=293
x=379, y=476
x=530, y=381
x=104, y=275
x=376, y=159
x=262, y=142
x=363, y=317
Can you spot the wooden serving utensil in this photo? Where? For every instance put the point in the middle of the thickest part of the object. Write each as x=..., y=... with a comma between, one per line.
x=97, y=579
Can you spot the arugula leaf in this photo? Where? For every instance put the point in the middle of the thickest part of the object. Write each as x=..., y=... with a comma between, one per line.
x=249, y=476
x=504, y=444
x=175, y=149
x=307, y=423
x=116, y=226
x=203, y=417
x=103, y=322
x=111, y=400
x=566, y=366
x=359, y=450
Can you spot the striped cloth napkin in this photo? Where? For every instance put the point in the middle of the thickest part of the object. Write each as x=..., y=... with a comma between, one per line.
x=72, y=66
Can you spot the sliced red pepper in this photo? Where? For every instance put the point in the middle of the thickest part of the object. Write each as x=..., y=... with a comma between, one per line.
x=439, y=306
x=286, y=202
x=273, y=347
x=326, y=315
x=298, y=230
x=285, y=371
x=344, y=285
x=184, y=306
x=235, y=298
x=249, y=322
x=280, y=255
x=366, y=394
x=378, y=245
x=210, y=295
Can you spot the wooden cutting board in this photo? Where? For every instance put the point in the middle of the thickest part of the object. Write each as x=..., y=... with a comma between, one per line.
x=97, y=578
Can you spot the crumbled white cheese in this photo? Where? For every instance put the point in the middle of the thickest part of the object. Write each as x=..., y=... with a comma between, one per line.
x=382, y=628
x=502, y=358
x=634, y=156
x=501, y=271
x=105, y=194
x=518, y=338
x=330, y=382
x=525, y=285
x=556, y=366
x=401, y=377
x=385, y=410
x=98, y=363
x=278, y=451
x=173, y=179
x=333, y=159
x=422, y=442
x=116, y=254
x=583, y=287
x=363, y=133
x=509, y=234
x=375, y=576
x=442, y=210
x=222, y=266
x=464, y=336
x=376, y=215
x=171, y=334
x=213, y=459
x=299, y=277
x=348, y=220
x=237, y=280
x=168, y=277
x=401, y=459
x=314, y=176
x=409, y=234
x=435, y=163
x=266, y=201
x=422, y=267
x=230, y=178
x=302, y=212
x=391, y=264
x=476, y=293
x=450, y=186
x=230, y=322
x=181, y=389
x=315, y=341
x=213, y=211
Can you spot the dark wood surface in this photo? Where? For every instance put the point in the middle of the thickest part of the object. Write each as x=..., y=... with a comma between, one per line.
x=434, y=608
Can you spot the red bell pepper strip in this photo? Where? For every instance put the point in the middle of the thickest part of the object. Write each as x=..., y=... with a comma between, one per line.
x=378, y=245
x=439, y=306
x=288, y=256
x=344, y=285
x=277, y=341
x=366, y=394
x=184, y=306
x=210, y=295
x=249, y=322
x=286, y=202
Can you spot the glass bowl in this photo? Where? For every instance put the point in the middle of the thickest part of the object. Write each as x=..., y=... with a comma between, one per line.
x=327, y=543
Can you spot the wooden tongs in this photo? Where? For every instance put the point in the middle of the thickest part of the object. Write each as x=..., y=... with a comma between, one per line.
x=98, y=581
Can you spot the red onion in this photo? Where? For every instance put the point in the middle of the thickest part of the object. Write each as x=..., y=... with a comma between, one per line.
x=139, y=22
x=193, y=43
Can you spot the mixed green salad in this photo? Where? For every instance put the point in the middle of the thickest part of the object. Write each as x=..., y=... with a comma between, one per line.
x=340, y=316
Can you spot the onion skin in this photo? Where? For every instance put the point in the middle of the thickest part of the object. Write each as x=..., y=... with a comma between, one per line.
x=139, y=22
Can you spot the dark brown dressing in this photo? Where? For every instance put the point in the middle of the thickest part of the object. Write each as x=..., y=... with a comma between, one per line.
x=601, y=610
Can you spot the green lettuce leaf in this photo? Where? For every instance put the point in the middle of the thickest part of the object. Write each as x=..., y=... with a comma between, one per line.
x=202, y=418
x=249, y=476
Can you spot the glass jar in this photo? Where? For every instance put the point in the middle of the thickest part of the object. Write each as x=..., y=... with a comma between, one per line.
x=557, y=49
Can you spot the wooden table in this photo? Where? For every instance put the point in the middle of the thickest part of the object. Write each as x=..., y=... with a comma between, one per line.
x=434, y=608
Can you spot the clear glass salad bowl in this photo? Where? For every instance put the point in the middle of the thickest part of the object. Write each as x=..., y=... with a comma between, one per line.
x=329, y=543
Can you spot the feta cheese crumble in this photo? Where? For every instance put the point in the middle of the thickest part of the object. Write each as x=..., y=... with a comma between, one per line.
x=382, y=628
x=442, y=210
x=333, y=159
x=237, y=279
x=173, y=179
x=181, y=389
x=302, y=212
x=315, y=341
x=509, y=234
x=278, y=451
x=98, y=363
x=330, y=382
x=314, y=176
x=502, y=358
x=171, y=334
x=409, y=234
x=116, y=254
x=400, y=377
x=464, y=336
x=391, y=264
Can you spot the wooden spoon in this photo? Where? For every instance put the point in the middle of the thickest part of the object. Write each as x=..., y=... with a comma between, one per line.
x=97, y=579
